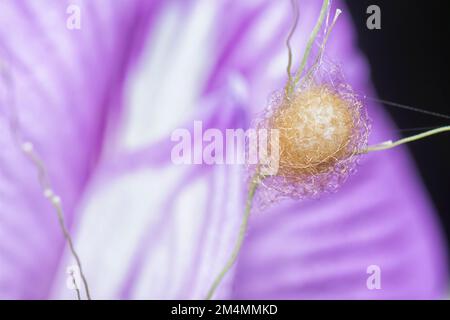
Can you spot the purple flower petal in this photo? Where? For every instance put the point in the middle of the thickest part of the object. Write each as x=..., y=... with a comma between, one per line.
x=63, y=85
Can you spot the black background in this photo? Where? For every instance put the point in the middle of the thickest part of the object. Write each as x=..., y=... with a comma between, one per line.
x=410, y=64
x=287, y=309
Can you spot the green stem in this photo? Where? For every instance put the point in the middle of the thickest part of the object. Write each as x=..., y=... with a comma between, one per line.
x=289, y=84
x=237, y=247
x=311, y=40
x=389, y=144
x=322, y=47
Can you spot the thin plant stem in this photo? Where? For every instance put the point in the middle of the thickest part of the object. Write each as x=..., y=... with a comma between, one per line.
x=55, y=201
x=406, y=107
x=74, y=282
x=322, y=47
x=44, y=181
x=237, y=247
x=68, y=238
x=312, y=38
x=392, y=144
x=289, y=84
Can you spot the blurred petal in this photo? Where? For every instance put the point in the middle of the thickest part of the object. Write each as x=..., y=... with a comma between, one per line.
x=62, y=82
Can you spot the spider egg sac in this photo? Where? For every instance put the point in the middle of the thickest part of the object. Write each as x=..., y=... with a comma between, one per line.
x=321, y=130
